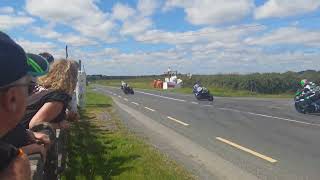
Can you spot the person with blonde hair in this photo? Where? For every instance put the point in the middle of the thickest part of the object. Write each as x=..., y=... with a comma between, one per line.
x=51, y=96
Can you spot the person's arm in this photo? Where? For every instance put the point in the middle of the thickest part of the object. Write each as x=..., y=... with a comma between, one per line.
x=72, y=116
x=35, y=148
x=39, y=137
x=46, y=113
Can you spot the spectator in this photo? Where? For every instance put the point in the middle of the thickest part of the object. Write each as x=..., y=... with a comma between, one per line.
x=48, y=57
x=14, y=83
x=31, y=142
x=51, y=98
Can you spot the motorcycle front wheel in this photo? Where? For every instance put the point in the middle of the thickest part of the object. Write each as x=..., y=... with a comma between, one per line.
x=299, y=108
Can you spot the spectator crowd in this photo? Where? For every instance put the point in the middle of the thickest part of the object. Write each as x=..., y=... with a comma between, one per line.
x=35, y=107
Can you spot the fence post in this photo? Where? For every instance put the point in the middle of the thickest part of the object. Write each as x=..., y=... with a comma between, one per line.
x=81, y=87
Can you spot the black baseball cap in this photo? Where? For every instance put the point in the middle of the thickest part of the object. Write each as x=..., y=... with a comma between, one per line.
x=13, y=60
x=37, y=65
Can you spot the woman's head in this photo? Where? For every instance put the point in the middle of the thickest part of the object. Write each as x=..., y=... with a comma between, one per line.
x=62, y=76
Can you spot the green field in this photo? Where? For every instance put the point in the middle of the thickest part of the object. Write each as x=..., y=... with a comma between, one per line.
x=100, y=147
x=146, y=83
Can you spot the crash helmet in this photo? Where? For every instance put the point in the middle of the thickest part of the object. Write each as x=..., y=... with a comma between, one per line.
x=303, y=82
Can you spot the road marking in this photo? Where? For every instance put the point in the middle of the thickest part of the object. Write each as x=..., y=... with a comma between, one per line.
x=207, y=105
x=165, y=97
x=269, y=159
x=135, y=103
x=273, y=117
x=150, y=109
x=126, y=99
x=284, y=119
x=194, y=102
x=119, y=96
x=176, y=120
x=228, y=109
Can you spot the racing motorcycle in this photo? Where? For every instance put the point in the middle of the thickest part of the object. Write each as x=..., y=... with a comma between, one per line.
x=309, y=102
x=202, y=93
x=127, y=90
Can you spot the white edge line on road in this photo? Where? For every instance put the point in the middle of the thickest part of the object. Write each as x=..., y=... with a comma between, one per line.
x=135, y=103
x=126, y=99
x=173, y=119
x=149, y=109
x=194, y=102
x=284, y=119
x=165, y=97
x=273, y=117
x=264, y=157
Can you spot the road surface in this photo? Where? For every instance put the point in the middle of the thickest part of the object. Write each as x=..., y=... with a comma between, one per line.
x=265, y=138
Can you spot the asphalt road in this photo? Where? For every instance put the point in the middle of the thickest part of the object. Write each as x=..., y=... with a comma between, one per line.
x=264, y=137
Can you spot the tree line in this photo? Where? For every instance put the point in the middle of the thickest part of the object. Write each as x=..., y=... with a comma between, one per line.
x=267, y=83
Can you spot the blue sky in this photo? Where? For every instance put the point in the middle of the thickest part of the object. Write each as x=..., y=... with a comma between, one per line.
x=138, y=37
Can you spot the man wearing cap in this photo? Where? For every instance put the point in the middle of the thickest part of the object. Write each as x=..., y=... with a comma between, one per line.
x=31, y=142
x=14, y=82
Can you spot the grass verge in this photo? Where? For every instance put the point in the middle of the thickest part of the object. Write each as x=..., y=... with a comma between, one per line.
x=100, y=147
x=221, y=92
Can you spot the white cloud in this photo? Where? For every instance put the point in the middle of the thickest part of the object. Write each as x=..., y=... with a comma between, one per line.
x=222, y=36
x=6, y=10
x=147, y=7
x=135, y=26
x=46, y=32
x=83, y=16
x=287, y=35
x=69, y=38
x=36, y=47
x=12, y=21
x=139, y=19
x=122, y=12
x=76, y=40
x=212, y=11
x=284, y=8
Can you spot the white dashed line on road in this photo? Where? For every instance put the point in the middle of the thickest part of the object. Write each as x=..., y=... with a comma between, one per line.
x=207, y=105
x=228, y=109
x=180, y=122
x=125, y=99
x=254, y=153
x=149, y=109
x=119, y=96
x=165, y=97
x=135, y=103
x=194, y=102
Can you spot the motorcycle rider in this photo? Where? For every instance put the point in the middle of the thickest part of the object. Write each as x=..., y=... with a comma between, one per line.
x=309, y=93
x=123, y=85
x=197, y=88
x=307, y=85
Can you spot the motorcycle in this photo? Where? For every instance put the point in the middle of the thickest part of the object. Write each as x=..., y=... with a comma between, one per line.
x=307, y=103
x=127, y=90
x=202, y=94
